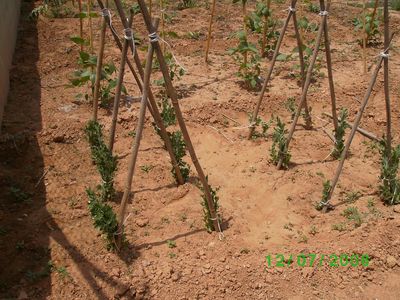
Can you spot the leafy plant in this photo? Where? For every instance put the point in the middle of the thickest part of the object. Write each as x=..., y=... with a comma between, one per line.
x=340, y=132
x=167, y=112
x=51, y=8
x=208, y=222
x=304, y=24
x=146, y=168
x=278, y=149
x=246, y=55
x=352, y=196
x=395, y=4
x=171, y=244
x=176, y=71
x=339, y=227
x=325, y=194
x=389, y=188
x=18, y=195
x=179, y=149
x=106, y=163
x=260, y=122
x=371, y=26
x=103, y=217
x=353, y=214
x=183, y=4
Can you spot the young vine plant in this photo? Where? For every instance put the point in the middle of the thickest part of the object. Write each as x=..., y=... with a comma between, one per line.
x=389, y=188
x=340, y=132
x=208, y=222
x=278, y=149
x=325, y=194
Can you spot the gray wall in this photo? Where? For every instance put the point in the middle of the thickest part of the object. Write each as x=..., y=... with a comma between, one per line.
x=8, y=32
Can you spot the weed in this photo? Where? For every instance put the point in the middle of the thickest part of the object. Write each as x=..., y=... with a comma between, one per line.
x=371, y=203
x=302, y=238
x=183, y=217
x=165, y=220
x=288, y=226
x=278, y=149
x=263, y=124
x=171, y=244
x=45, y=272
x=62, y=272
x=146, y=168
x=352, y=213
x=389, y=189
x=208, y=222
x=194, y=35
x=18, y=195
x=290, y=105
x=171, y=255
x=313, y=230
x=183, y=4
x=244, y=251
x=339, y=227
x=106, y=163
x=340, y=132
x=352, y=196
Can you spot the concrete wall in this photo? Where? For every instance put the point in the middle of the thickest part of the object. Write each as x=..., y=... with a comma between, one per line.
x=8, y=33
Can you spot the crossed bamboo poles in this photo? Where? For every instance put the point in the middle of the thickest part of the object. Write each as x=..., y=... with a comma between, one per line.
x=148, y=101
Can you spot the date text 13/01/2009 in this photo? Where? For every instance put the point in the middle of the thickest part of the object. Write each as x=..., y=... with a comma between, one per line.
x=311, y=260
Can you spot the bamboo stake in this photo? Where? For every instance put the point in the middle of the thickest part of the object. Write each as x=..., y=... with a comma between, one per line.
x=386, y=78
x=244, y=29
x=172, y=94
x=352, y=133
x=265, y=30
x=128, y=37
x=136, y=144
x=306, y=84
x=80, y=21
x=210, y=29
x=371, y=22
x=152, y=105
x=99, y=66
x=150, y=7
x=302, y=70
x=329, y=65
x=271, y=68
x=162, y=10
x=364, y=40
x=89, y=3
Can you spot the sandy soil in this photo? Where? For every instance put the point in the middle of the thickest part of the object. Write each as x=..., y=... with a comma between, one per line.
x=266, y=212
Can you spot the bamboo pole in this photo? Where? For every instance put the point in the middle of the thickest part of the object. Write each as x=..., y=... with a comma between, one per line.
x=172, y=94
x=244, y=29
x=80, y=21
x=265, y=30
x=128, y=36
x=210, y=29
x=306, y=84
x=136, y=144
x=89, y=4
x=364, y=40
x=99, y=65
x=162, y=10
x=371, y=22
x=386, y=78
x=271, y=68
x=352, y=133
x=152, y=105
x=150, y=8
x=329, y=65
x=302, y=69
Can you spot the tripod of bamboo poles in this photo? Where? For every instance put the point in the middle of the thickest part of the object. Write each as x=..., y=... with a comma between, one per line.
x=323, y=30
x=152, y=105
x=383, y=58
x=291, y=14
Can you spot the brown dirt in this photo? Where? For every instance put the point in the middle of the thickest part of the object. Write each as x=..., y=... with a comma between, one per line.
x=265, y=211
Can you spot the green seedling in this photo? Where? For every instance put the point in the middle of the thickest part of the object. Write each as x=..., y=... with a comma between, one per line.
x=171, y=244
x=260, y=123
x=352, y=213
x=278, y=149
x=18, y=195
x=371, y=26
x=208, y=222
x=146, y=168
x=352, y=196
x=340, y=133
x=389, y=188
x=179, y=149
x=325, y=194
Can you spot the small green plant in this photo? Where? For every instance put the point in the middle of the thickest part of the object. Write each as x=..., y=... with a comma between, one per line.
x=395, y=4
x=278, y=149
x=339, y=227
x=171, y=244
x=302, y=238
x=389, y=188
x=304, y=24
x=183, y=4
x=103, y=217
x=311, y=7
x=45, y=272
x=259, y=123
x=146, y=168
x=194, y=35
x=18, y=195
x=313, y=230
x=176, y=71
x=288, y=226
x=340, y=133
x=51, y=8
x=290, y=105
x=179, y=149
x=208, y=222
x=352, y=213
x=246, y=55
x=171, y=255
x=352, y=196
x=371, y=26
x=325, y=194
x=106, y=163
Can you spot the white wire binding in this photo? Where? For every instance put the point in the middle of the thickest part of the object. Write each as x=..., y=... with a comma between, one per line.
x=291, y=9
x=323, y=13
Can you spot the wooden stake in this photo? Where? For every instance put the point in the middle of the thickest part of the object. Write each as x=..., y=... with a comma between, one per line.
x=210, y=29
x=172, y=94
x=89, y=3
x=352, y=133
x=128, y=37
x=364, y=40
x=152, y=105
x=271, y=68
x=150, y=8
x=265, y=30
x=99, y=66
x=80, y=22
x=136, y=144
x=386, y=78
x=244, y=29
x=162, y=22
x=302, y=70
x=329, y=65
x=371, y=22
x=306, y=84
